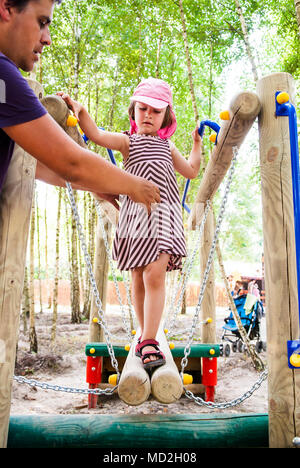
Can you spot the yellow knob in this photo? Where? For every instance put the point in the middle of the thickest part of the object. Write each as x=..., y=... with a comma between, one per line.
x=166, y=330
x=112, y=379
x=92, y=351
x=171, y=345
x=95, y=320
x=295, y=360
x=213, y=137
x=187, y=379
x=127, y=347
x=133, y=332
x=209, y=320
x=212, y=351
x=225, y=115
x=72, y=121
x=282, y=97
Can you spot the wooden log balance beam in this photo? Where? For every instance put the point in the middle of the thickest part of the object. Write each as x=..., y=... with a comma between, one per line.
x=134, y=386
x=166, y=384
x=139, y=431
x=243, y=110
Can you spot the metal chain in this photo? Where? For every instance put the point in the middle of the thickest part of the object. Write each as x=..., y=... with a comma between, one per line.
x=112, y=268
x=60, y=388
x=187, y=349
x=232, y=403
x=186, y=272
x=98, y=301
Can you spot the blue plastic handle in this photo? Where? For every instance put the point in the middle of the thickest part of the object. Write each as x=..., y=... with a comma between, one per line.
x=109, y=151
x=287, y=109
x=214, y=126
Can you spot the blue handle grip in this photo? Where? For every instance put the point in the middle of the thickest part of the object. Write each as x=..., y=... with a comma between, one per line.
x=214, y=126
x=110, y=153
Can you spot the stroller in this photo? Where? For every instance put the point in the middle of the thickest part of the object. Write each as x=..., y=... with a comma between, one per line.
x=250, y=310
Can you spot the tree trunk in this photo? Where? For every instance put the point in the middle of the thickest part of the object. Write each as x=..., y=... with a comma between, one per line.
x=297, y=7
x=33, y=345
x=188, y=60
x=56, y=278
x=246, y=40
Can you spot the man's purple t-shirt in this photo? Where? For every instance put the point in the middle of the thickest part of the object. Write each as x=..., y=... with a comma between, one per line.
x=18, y=104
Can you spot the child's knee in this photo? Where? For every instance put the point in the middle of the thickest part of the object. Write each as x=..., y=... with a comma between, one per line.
x=153, y=277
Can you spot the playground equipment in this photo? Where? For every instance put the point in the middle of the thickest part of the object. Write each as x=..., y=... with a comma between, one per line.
x=166, y=385
x=281, y=303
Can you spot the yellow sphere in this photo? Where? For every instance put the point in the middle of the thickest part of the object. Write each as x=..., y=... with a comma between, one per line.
x=295, y=360
x=209, y=320
x=72, y=121
x=127, y=347
x=282, y=97
x=92, y=351
x=171, y=345
x=112, y=379
x=212, y=351
x=187, y=379
x=133, y=332
x=225, y=115
x=166, y=330
x=95, y=320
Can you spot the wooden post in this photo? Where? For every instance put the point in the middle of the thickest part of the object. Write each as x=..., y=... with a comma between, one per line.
x=166, y=383
x=15, y=209
x=243, y=110
x=280, y=261
x=134, y=386
x=208, y=308
x=101, y=276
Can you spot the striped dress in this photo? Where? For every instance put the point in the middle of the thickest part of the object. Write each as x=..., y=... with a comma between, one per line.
x=140, y=237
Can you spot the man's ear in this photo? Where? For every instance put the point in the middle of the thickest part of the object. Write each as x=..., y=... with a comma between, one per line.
x=4, y=10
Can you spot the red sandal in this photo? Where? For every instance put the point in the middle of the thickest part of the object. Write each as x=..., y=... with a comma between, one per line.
x=160, y=355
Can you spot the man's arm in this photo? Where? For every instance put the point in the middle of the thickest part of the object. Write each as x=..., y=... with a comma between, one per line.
x=49, y=144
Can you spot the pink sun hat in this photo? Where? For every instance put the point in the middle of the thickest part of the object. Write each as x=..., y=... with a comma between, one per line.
x=156, y=93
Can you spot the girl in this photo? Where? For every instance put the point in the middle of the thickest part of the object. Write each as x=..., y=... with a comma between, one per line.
x=148, y=244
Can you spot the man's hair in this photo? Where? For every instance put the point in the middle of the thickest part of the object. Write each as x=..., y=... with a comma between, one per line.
x=22, y=4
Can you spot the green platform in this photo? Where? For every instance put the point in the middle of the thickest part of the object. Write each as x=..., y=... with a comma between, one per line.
x=197, y=350
x=139, y=431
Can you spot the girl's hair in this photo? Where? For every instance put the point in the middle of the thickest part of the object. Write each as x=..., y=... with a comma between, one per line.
x=22, y=4
x=167, y=119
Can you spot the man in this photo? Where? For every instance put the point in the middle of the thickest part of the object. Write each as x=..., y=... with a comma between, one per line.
x=24, y=32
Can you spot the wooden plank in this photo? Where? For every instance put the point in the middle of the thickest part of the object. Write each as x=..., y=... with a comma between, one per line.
x=197, y=350
x=280, y=261
x=15, y=209
x=243, y=109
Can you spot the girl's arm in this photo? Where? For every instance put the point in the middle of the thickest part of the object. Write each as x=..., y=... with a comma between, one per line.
x=190, y=167
x=114, y=141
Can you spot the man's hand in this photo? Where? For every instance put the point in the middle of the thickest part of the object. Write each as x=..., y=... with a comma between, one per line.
x=145, y=192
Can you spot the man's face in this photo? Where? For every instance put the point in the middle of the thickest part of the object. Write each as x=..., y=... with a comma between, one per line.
x=29, y=30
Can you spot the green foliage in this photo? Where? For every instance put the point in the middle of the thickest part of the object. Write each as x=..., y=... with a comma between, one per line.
x=102, y=48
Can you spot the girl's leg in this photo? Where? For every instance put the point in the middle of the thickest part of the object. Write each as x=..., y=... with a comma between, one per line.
x=154, y=282
x=138, y=294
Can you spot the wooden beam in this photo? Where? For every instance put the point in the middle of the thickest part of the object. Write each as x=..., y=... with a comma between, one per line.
x=166, y=383
x=140, y=431
x=280, y=261
x=134, y=386
x=15, y=209
x=243, y=110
